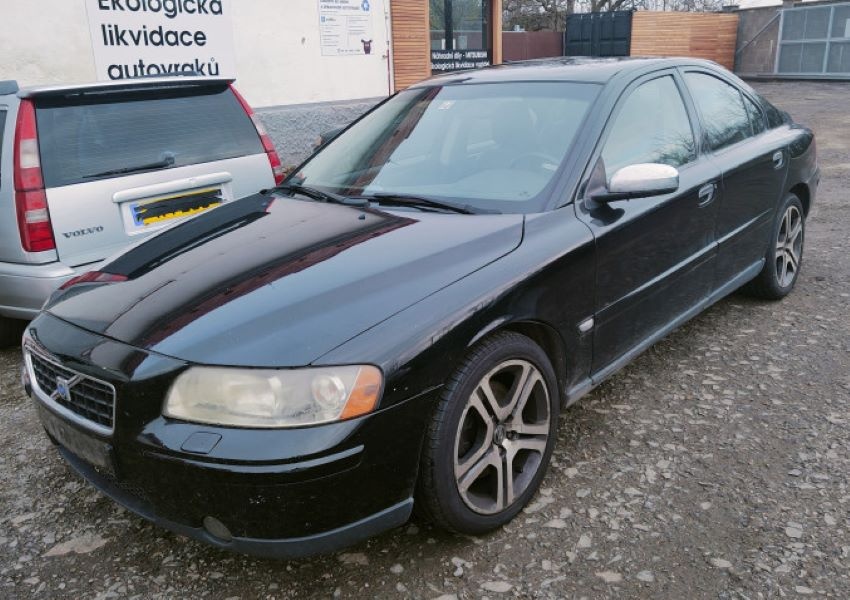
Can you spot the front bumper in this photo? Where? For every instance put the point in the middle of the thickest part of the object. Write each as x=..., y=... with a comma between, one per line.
x=288, y=548
x=280, y=493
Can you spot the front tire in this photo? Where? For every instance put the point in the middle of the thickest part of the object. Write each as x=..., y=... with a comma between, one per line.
x=784, y=256
x=488, y=446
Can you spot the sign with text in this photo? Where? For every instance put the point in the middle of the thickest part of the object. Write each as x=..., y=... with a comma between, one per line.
x=345, y=27
x=456, y=60
x=138, y=38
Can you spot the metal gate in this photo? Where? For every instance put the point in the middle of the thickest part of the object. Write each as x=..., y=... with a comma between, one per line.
x=815, y=41
x=598, y=34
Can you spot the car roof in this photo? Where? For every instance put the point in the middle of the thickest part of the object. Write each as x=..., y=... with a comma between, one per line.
x=565, y=68
x=120, y=85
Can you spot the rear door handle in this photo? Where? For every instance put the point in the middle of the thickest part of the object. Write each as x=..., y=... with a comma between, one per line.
x=706, y=193
x=778, y=159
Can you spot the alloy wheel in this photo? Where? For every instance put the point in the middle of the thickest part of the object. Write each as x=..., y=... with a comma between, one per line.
x=789, y=246
x=502, y=436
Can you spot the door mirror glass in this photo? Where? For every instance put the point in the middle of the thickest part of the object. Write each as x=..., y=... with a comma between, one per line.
x=640, y=181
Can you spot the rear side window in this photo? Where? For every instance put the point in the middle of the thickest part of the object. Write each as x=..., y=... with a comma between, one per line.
x=756, y=117
x=651, y=127
x=775, y=117
x=95, y=137
x=724, y=118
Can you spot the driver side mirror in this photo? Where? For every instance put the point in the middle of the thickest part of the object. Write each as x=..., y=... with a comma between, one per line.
x=639, y=181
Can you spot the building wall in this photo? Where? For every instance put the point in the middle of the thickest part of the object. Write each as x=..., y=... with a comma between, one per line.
x=46, y=41
x=759, y=41
x=279, y=60
x=278, y=56
x=699, y=35
x=411, y=35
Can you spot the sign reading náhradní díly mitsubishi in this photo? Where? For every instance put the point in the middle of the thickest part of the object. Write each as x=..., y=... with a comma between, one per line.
x=137, y=38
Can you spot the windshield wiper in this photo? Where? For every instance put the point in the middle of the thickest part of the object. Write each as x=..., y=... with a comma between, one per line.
x=166, y=161
x=420, y=201
x=319, y=195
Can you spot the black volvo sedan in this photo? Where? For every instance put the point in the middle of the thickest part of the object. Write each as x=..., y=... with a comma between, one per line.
x=404, y=318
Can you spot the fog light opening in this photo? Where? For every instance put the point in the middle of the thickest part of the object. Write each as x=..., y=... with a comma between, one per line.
x=217, y=529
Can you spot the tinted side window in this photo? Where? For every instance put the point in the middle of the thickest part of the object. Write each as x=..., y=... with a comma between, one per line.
x=756, y=116
x=724, y=118
x=775, y=117
x=651, y=127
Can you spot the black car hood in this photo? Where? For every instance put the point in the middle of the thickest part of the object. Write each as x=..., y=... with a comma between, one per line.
x=280, y=282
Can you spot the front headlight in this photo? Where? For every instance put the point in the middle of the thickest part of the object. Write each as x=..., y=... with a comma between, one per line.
x=273, y=398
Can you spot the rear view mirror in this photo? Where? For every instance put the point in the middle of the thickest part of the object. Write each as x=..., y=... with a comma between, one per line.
x=327, y=136
x=640, y=181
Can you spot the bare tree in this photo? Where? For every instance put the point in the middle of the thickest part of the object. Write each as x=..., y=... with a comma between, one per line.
x=608, y=5
x=551, y=15
x=535, y=15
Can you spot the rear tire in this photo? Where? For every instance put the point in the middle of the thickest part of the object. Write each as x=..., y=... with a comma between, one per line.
x=488, y=446
x=784, y=257
x=10, y=332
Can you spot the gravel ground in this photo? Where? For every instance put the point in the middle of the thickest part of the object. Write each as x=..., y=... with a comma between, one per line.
x=715, y=466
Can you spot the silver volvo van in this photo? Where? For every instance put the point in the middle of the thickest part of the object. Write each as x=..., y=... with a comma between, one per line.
x=87, y=170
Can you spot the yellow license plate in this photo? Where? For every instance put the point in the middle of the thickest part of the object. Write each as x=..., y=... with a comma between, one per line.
x=177, y=206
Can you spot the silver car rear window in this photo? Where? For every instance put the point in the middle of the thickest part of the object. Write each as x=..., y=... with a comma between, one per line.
x=88, y=137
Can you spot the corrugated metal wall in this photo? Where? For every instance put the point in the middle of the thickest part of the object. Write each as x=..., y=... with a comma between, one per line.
x=598, y=34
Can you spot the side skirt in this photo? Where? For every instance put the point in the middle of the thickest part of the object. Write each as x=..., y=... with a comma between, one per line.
x=586, y=385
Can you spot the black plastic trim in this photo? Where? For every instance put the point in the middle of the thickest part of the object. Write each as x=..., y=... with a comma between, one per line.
x=288, y=548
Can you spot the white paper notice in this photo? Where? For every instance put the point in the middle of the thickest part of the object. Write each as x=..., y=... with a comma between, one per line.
x=345, y=27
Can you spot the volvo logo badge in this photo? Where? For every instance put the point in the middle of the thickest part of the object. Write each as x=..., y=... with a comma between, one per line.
x=63, y=388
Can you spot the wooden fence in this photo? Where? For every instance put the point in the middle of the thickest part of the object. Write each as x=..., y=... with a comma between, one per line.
x=411, y=53
x=699, y=35
x=523, y=45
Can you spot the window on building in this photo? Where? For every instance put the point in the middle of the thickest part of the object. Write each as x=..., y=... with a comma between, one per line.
x=460, y=24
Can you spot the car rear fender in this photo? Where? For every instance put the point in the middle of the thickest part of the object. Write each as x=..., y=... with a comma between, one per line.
x=803, y=173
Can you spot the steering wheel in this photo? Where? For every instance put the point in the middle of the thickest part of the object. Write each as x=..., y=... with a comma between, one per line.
x=535, y=160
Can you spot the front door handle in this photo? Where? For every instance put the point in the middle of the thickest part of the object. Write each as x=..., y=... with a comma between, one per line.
x=778, y=159
x=706, y=193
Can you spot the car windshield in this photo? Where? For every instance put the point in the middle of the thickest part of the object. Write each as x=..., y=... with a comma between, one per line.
x=488, y=146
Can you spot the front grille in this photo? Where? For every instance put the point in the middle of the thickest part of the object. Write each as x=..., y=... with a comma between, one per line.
x=88, y=398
